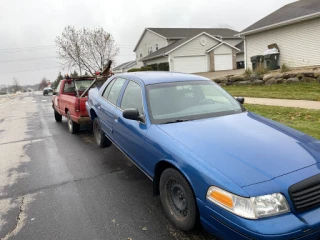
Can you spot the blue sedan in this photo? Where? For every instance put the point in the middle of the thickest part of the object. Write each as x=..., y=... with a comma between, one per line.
x=241, y=175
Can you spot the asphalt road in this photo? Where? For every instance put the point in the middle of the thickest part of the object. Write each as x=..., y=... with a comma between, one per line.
x=54, y=185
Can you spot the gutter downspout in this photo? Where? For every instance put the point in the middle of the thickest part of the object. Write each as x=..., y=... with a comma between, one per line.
x=245, y=53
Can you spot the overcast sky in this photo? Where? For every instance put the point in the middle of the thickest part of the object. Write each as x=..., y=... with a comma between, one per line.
x=28, y=28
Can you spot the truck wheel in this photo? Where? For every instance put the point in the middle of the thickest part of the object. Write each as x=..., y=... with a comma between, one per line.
x=72, y=126
x=178, y=199
x=57, y=116
x=101, y=139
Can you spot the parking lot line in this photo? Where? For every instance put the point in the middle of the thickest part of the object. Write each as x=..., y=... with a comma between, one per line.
x=44, y=100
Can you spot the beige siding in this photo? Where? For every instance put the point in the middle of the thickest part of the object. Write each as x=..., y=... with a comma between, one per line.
x=233, y=42
x=157, y=60
x=149, y=39
x=299, y=43
x=194, y=48
x=240, y=57
x=223, y=49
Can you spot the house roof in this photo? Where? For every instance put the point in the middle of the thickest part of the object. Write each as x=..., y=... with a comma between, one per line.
x=240, y=46
x=179, y=33
x=126, y=64
x=165, y=50
x=290, y=13
x=222, y=43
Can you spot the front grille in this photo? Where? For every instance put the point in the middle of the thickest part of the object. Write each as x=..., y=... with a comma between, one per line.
x=306, y=194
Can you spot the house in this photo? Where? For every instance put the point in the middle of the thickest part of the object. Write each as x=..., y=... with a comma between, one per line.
x=189, y=50
x=124, y=67
x=295, y=28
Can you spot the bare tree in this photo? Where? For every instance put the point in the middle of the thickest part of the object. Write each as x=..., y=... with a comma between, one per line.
x=86, y=49
x=43, y=83
x=16, y=84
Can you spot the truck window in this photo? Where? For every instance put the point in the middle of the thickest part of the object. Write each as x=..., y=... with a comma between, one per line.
x=69, y=87
x=132, y=97
x=115, y=90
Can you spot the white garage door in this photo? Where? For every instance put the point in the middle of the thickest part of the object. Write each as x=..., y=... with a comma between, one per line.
x=190, y=64
x=223, y=62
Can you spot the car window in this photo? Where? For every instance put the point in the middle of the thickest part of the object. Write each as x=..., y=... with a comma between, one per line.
x=107, y=90
x=132, y=97
x=115, y=90
x=69, y=87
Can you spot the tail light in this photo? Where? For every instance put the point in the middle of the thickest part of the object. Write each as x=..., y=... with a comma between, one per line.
x=77, y=106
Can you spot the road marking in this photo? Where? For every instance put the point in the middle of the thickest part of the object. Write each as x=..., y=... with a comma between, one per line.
x=44, y=100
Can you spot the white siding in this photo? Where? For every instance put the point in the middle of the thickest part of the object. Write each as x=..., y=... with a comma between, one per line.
x=223, y=49
x=233, y=42
x=192, y=48
x=171, y=41
x=149, y=39
x=240, y=57
x=157, y=60
x=299, y=43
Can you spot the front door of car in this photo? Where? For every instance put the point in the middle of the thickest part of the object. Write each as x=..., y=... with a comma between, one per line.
x=129, y=135
x=107, y=104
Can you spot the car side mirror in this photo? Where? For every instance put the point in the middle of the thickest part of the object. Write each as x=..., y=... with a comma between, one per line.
x=240, y=100
x=132, y=114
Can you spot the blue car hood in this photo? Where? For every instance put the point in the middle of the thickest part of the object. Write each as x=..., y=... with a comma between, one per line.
x=246, y=147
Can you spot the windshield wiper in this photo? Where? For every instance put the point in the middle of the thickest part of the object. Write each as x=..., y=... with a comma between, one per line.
x=178, y=120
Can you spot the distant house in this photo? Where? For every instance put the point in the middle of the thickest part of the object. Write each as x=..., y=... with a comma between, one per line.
x=124, y=67
x=295, y=28
x=189, y=50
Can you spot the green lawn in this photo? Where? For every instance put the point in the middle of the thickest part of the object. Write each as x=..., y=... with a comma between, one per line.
x=304, y=91
x=304, y=120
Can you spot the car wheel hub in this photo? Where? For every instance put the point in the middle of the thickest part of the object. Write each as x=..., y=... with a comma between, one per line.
x=178, y=198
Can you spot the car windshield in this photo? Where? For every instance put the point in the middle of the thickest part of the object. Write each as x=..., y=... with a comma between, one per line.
x=190, y=100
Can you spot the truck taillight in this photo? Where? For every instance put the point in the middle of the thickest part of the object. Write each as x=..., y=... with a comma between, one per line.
x=77, y=106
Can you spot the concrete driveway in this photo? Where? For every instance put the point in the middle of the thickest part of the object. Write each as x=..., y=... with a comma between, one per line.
x=219, y=74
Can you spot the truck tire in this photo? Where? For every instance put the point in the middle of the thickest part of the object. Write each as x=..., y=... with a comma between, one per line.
x=101, y=140
x=178, y=199
x=73, y=127
x=57, y=116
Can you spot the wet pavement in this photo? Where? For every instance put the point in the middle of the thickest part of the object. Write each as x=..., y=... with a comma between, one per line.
x=54, y=185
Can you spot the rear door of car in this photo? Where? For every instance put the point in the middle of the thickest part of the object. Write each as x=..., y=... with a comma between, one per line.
x=107, y=104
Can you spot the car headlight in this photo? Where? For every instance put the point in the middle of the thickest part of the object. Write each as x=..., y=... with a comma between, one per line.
x=251, y=208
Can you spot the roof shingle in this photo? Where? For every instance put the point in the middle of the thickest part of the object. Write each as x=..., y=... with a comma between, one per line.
x=288, y=12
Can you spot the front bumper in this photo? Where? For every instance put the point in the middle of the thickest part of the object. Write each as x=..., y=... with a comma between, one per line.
x=287, y=226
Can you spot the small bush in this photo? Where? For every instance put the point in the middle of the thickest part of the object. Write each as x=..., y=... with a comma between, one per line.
x=163, y=66
x=154, y=67
x=248, y=72
x=261, y=70
x=134, y=70
x=146, y=68
x=284, y=68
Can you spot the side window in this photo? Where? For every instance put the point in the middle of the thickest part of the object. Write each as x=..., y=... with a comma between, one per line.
x=58, y=87
x=107, y=90
x=115, y=90
x=132, y=97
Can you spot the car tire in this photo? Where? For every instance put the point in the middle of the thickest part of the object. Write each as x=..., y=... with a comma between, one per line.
x=178, y=200
x=101, y=140
x=73, y=127
x=57, y=116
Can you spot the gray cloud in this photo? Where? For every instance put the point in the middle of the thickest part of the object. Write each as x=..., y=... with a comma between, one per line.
x=37, y=22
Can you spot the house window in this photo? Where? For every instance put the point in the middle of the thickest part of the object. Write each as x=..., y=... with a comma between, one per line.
x=151, y=50
x=140, y=55
x=157, y=47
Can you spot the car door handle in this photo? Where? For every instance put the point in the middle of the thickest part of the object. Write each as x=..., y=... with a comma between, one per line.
x=116, y=118
x=99, y=106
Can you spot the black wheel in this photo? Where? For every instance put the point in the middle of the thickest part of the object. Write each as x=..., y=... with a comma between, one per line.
x=73, y=127
x=178, y=199
x=101, y=139
x=57, y=116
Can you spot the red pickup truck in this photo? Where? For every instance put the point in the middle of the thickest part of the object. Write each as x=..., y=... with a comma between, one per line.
x=68, y=101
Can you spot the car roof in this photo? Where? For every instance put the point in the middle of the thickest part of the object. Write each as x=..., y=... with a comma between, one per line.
x=155, y=77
